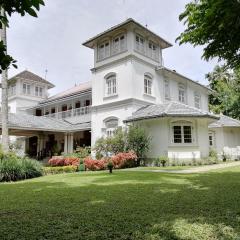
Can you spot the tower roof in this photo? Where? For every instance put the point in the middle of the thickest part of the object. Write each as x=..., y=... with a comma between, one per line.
x=90, y=42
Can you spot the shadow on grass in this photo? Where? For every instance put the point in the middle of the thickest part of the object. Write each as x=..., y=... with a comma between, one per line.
x=124, y=205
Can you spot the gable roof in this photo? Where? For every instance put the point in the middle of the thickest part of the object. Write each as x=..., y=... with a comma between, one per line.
x=168, y=109
x=27, y=75
x=225, y=121
x=89, y=42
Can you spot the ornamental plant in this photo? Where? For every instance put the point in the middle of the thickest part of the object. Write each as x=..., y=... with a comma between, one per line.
x=95, y=165
x=57, y=161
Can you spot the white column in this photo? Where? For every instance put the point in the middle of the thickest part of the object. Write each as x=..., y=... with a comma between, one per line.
x=70, y=143
x=65, y=143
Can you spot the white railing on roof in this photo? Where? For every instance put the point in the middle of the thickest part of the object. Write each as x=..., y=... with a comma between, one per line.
x=75, y=112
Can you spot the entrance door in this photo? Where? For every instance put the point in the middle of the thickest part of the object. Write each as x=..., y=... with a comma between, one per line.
x=33, y=146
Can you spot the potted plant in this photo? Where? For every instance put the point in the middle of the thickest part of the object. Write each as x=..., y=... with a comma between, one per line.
x=163, y=160
x=81, y=166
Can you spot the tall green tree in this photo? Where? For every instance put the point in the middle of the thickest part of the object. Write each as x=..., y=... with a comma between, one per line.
x=214, y=24
x=225, y=97
x=7, y=8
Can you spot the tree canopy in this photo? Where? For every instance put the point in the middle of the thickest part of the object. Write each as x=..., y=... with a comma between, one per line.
x=225, y=97
x=15, y=6
x=214, y=24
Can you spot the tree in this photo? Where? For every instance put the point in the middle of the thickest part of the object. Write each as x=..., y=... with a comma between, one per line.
x=7, y=8
x=225, y=96
x=215, y=25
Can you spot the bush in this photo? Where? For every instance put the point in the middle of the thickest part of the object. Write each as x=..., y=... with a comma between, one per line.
x=124, y=160
x=57, y=170
x=95, y=165
x=58, y=161
x=13, y=168
x=163, y=160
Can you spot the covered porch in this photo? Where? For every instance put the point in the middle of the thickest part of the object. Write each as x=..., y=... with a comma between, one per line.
x=42, y=137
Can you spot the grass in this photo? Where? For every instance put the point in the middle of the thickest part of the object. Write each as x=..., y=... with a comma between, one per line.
x=165, y=168
x=124, y=205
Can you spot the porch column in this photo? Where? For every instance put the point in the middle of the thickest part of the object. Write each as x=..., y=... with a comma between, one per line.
x=65, y=143
x=70, y=143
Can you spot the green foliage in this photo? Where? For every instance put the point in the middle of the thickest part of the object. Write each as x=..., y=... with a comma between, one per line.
x=13, y=168
x=133, y=139
x=225, y=97
x=215, y=25
x=137, y=141
x=15, y=6
x=58, y=170
x=81, y=167
x=163, y=160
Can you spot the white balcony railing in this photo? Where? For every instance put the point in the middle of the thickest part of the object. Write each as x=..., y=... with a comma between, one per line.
x=75, y=112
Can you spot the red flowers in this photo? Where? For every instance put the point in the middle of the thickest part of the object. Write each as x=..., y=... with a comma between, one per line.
x=63, y=161
x=121, y=160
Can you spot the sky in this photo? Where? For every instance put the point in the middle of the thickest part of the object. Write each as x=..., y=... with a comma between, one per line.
x=53, y=41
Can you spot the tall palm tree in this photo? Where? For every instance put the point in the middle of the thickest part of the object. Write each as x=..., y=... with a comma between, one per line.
x=5, y=137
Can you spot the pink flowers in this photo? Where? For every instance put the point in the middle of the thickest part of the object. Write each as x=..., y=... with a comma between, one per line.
x=57, y=161
x=120, y=160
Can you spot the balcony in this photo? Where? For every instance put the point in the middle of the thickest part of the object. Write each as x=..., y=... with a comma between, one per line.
x=82, y=114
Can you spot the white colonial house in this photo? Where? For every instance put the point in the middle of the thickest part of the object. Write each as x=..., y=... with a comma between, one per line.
x=129, y=85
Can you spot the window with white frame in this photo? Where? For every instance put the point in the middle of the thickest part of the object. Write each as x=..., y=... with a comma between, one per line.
x=38, y=91
x=12, y=90
x=119, y=44
x=152, y=50
x=103, y=50
x=166, y=89
x=211, y=139
x=26, y=88
x=147, y=84
x=197, y=100
x=181, y=93
x=111, y=85
x=140, y=43
x=111, y=126
x=182, y=133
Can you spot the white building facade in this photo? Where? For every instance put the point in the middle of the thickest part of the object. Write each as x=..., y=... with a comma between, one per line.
x=129, y=85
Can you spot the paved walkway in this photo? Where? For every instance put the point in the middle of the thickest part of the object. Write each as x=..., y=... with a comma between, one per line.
x=191, y=170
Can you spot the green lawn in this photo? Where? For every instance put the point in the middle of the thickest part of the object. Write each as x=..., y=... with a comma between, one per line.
x=124, y=205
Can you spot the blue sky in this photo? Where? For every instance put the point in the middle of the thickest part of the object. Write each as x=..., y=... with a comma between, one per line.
x=53, y=41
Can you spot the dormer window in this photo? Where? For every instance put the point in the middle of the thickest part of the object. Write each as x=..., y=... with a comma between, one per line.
x=38, y=91
x=119, y=44
x=147, y=84
x=103, y=50
x=26, y=88
x=181, y=93
x=111, y=85
x=140, y=43
x=197, y=100
x=152, y=50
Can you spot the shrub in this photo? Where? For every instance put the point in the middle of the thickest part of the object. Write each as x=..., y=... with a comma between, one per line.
x=94, y=165
x=124, y=160
x=58, y=161
x=57, y=170
x=13, y=168
x=163, y=160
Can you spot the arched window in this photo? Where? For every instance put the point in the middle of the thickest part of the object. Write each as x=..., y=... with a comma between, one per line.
x=111, y=84
x=148, y=84
x=111, y=124
x=181, y=93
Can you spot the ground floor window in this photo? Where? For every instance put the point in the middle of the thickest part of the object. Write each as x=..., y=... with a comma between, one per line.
x=110, y=126
x=211, y=139
x=182, y=133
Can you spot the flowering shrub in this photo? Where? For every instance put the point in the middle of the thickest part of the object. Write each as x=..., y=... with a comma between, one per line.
x=94, y=165
x=58, y=161
x=61, y=169
x=124, y=159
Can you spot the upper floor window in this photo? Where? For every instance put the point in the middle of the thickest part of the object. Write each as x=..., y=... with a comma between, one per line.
x=147, y=84
x=140, y=43
x=12, y=90
x=111, y=126
x=152, y=50
x=167, y=90
x=182, y=132
x=26, y=88
x=197, y=100
x=181, y=93
x=111, y=85
x=119, y=44
x=103, y=50
x=38, y=91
